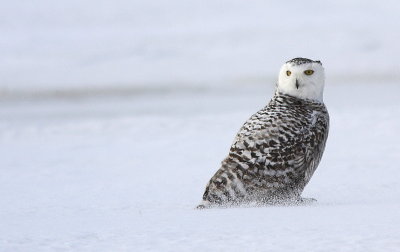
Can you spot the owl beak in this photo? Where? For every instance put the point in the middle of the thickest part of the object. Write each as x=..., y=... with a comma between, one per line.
x=297, y=84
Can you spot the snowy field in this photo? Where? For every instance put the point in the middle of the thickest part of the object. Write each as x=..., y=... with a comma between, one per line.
x=115, y=114
x=125, y=173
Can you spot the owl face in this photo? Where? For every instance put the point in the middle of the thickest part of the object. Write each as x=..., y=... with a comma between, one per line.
x=302, y=78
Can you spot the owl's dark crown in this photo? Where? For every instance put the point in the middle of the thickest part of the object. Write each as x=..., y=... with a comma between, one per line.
x=300, y=61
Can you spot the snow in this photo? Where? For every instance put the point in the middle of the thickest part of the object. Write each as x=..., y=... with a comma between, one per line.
x=114, y=116
x=125, y=174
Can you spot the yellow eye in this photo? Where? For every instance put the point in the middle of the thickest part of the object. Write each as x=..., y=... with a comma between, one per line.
x=309, y=72
x=288, y=73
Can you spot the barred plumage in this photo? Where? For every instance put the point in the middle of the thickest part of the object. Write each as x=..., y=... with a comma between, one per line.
x=274, y=154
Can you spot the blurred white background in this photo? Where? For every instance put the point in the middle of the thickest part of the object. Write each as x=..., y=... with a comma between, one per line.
x=91, y=46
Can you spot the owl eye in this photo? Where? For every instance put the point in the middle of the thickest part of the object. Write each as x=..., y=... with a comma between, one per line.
x=309, y=72
x=288, y=73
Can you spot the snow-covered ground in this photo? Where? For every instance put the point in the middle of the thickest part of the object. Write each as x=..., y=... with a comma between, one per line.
x=125, y=173
x=114, y=115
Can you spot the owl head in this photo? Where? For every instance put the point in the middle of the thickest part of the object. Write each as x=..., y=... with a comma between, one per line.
x=302, y=78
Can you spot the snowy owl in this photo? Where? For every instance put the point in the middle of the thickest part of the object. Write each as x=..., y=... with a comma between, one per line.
x=277, y=150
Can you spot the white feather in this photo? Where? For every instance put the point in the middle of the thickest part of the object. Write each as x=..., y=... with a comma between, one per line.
x=310, y=86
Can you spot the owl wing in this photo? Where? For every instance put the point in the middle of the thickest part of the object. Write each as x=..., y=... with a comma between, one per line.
x=276, y=146
x=316, y=140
